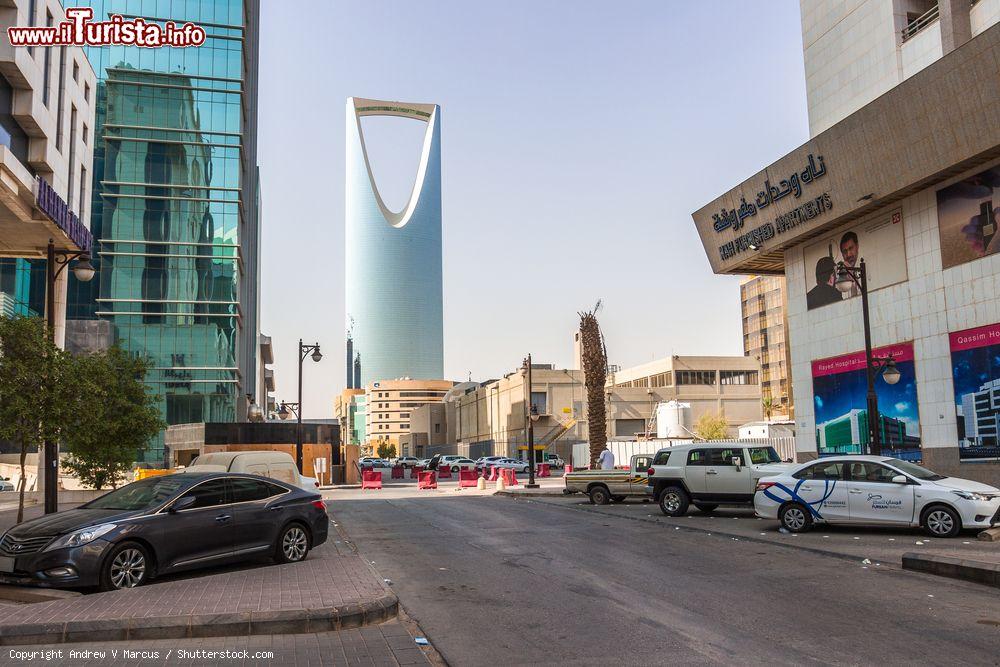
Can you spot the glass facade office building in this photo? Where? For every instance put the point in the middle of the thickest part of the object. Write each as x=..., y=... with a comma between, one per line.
x=393, y=282
x=175, y=210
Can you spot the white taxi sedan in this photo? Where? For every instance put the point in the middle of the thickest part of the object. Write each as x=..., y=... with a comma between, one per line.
x=877, y=491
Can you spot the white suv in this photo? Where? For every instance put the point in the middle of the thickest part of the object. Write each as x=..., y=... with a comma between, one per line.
x=878, y=491
x=709, y=474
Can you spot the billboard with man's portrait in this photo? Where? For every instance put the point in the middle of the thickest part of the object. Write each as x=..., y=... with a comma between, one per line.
x=879, y=242
x=968, y=214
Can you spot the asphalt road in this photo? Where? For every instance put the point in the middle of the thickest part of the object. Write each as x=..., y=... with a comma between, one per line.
x=505, y=581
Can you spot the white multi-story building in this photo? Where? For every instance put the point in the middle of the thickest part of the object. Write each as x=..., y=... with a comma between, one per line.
x=903, y=171
x=47, y=97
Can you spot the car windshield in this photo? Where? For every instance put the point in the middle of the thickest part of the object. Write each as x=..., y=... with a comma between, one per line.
x=759, y=455
x=142, y=495
x=913, y=470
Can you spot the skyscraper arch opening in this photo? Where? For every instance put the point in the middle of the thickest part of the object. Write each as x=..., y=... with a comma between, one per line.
x=394, y=145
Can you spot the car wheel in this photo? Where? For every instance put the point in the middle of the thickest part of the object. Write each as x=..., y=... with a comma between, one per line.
x=293, y=544
x=674, y=501
x=599, y=495
x=127, y=566
x=455, y=468
x=941, y=521
x=795, y=518
x=706, y=508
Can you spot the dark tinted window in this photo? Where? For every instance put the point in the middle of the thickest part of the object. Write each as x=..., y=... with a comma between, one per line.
x=822, y=471
x=661, y=458
x=871, y=472
x=274, y=489
x=209, y=494
x=723, y=457
x=245, y=490
x=642, y=464
x=698, y=457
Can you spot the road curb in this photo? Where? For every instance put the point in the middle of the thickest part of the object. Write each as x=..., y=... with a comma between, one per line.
x=954, y=568
x=31, y=595
x=530, y=494
x=238, y=624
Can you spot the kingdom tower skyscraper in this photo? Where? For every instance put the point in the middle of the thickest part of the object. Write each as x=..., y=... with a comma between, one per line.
x=394, y=278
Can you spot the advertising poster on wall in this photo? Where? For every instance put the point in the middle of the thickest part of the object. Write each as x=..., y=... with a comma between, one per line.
x=840, y=390
x=879, y=242
x=968, y=214
x=975, y=367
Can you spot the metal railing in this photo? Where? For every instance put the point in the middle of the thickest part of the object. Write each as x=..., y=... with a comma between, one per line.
x=921, y=22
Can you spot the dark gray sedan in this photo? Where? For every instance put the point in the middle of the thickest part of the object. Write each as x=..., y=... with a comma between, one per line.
x=163, y=525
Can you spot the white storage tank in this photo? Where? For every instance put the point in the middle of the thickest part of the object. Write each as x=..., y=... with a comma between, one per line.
x=673, y=420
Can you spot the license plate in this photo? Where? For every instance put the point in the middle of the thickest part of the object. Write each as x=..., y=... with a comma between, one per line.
x=6, y=564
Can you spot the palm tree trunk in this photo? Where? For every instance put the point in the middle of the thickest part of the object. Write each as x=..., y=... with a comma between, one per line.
x=595, y=374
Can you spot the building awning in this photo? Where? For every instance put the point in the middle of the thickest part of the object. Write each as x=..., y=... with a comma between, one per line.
x=31, y=213
x=940, y=122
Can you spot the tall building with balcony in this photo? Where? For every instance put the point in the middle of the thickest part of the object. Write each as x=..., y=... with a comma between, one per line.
x=393, y=267
x=175, y=211
x=762, y=301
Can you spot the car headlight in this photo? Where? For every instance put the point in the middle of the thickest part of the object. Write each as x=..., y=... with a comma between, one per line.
x=81, y=537
x=969, y=495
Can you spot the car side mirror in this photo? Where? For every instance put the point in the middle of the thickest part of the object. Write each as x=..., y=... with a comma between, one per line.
x=182, y=504
x=900, y=479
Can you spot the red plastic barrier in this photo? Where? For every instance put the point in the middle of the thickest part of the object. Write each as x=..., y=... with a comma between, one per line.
x=444, y=472
x=544, y=470
x=427, y=480
x=397, y=472
x=415, y=471
x=467, y=478
x=509, y=476
x=568, y=468
x=371, y=479
x=494, y=474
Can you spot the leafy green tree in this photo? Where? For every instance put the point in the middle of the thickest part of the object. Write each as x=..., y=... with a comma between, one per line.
x=768, y=404
x=712, y=426
x=387, y=450
x=115, y=416
x=35, y=389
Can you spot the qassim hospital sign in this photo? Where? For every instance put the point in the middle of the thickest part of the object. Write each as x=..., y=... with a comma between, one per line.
x=771, y=194
x=53, y=206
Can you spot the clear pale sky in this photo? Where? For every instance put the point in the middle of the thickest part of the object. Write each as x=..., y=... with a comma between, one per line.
x=577, y=139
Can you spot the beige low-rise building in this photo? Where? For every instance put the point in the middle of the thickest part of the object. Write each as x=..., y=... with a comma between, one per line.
x=725, y=385
x=390, y=405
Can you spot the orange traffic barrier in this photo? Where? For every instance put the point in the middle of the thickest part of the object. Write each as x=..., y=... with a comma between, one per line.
x=467, y=478
x=494, y=474
x=427, y=480
x=371, y=479
x=444, y=472
x=544, y=470
x=397, y=472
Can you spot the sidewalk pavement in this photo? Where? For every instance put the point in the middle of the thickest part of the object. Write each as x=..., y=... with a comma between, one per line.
x=385, y=644
x=333, y=589
x=883, y=546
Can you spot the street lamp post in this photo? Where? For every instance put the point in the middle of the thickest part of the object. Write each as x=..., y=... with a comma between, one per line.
x=847, y=278
x=304, y=351
x=531, y=416
x=56, y=262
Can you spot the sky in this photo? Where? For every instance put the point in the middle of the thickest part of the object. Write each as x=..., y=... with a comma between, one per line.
x=577, y=139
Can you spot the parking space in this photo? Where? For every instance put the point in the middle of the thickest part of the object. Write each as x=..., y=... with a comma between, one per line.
x=882, y=546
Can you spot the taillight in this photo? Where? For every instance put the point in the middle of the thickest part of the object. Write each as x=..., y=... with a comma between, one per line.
x=319, y=504
x=764, y=485
x=651, y=471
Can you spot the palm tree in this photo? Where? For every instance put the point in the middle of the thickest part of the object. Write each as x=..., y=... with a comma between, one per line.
x=768, y=404
x=595, y=375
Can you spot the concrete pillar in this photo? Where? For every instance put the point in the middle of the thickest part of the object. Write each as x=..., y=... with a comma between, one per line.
x=62, y=281
x=956, y=26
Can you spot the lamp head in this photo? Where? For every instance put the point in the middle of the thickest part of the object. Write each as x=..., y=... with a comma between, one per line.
x=317, y=355
x=845, y=281
x=534, y=413
x=254, y=413
x=890, y=373
x=284, y=412
x=84, y=270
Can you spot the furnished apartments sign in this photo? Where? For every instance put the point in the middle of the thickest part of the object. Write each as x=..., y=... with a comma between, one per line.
x=52, y=205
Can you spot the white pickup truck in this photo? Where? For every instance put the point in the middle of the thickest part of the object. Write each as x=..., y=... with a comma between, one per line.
x=603, y=486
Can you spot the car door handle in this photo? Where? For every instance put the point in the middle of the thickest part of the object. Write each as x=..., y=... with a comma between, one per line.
x=223, y=518
x=855, y=490
x=275, y=508
x=711, y=472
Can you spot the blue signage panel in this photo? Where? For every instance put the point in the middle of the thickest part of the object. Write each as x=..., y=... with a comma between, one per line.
x=68, y=221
